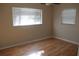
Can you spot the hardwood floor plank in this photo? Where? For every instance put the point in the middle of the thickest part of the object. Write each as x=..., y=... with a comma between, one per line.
x=47, y=47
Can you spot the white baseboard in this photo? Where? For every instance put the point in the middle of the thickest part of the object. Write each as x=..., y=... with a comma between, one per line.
x=67, y=40
x=22, y=43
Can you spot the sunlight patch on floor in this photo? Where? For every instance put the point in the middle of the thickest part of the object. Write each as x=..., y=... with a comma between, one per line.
x=39, y=53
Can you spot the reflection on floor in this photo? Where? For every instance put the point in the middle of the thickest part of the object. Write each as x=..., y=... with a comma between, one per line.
x=38, y=53
x=46, y=47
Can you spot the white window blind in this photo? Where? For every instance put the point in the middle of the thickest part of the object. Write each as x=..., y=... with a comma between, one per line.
x=26, y=16
x=68, y=16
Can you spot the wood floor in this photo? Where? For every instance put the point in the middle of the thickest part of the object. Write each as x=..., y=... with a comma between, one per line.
x=47, y=47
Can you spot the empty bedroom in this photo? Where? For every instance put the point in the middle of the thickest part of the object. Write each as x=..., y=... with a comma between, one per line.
x=39, y=29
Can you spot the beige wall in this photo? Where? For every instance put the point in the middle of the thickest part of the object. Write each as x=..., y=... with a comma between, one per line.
x=70, y=32
x=10, y=35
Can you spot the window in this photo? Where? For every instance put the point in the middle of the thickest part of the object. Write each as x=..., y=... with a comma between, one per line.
x=26, y=16
x=68, y=16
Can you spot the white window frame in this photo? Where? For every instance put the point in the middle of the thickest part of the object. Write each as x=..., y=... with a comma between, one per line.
x=41, y=21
